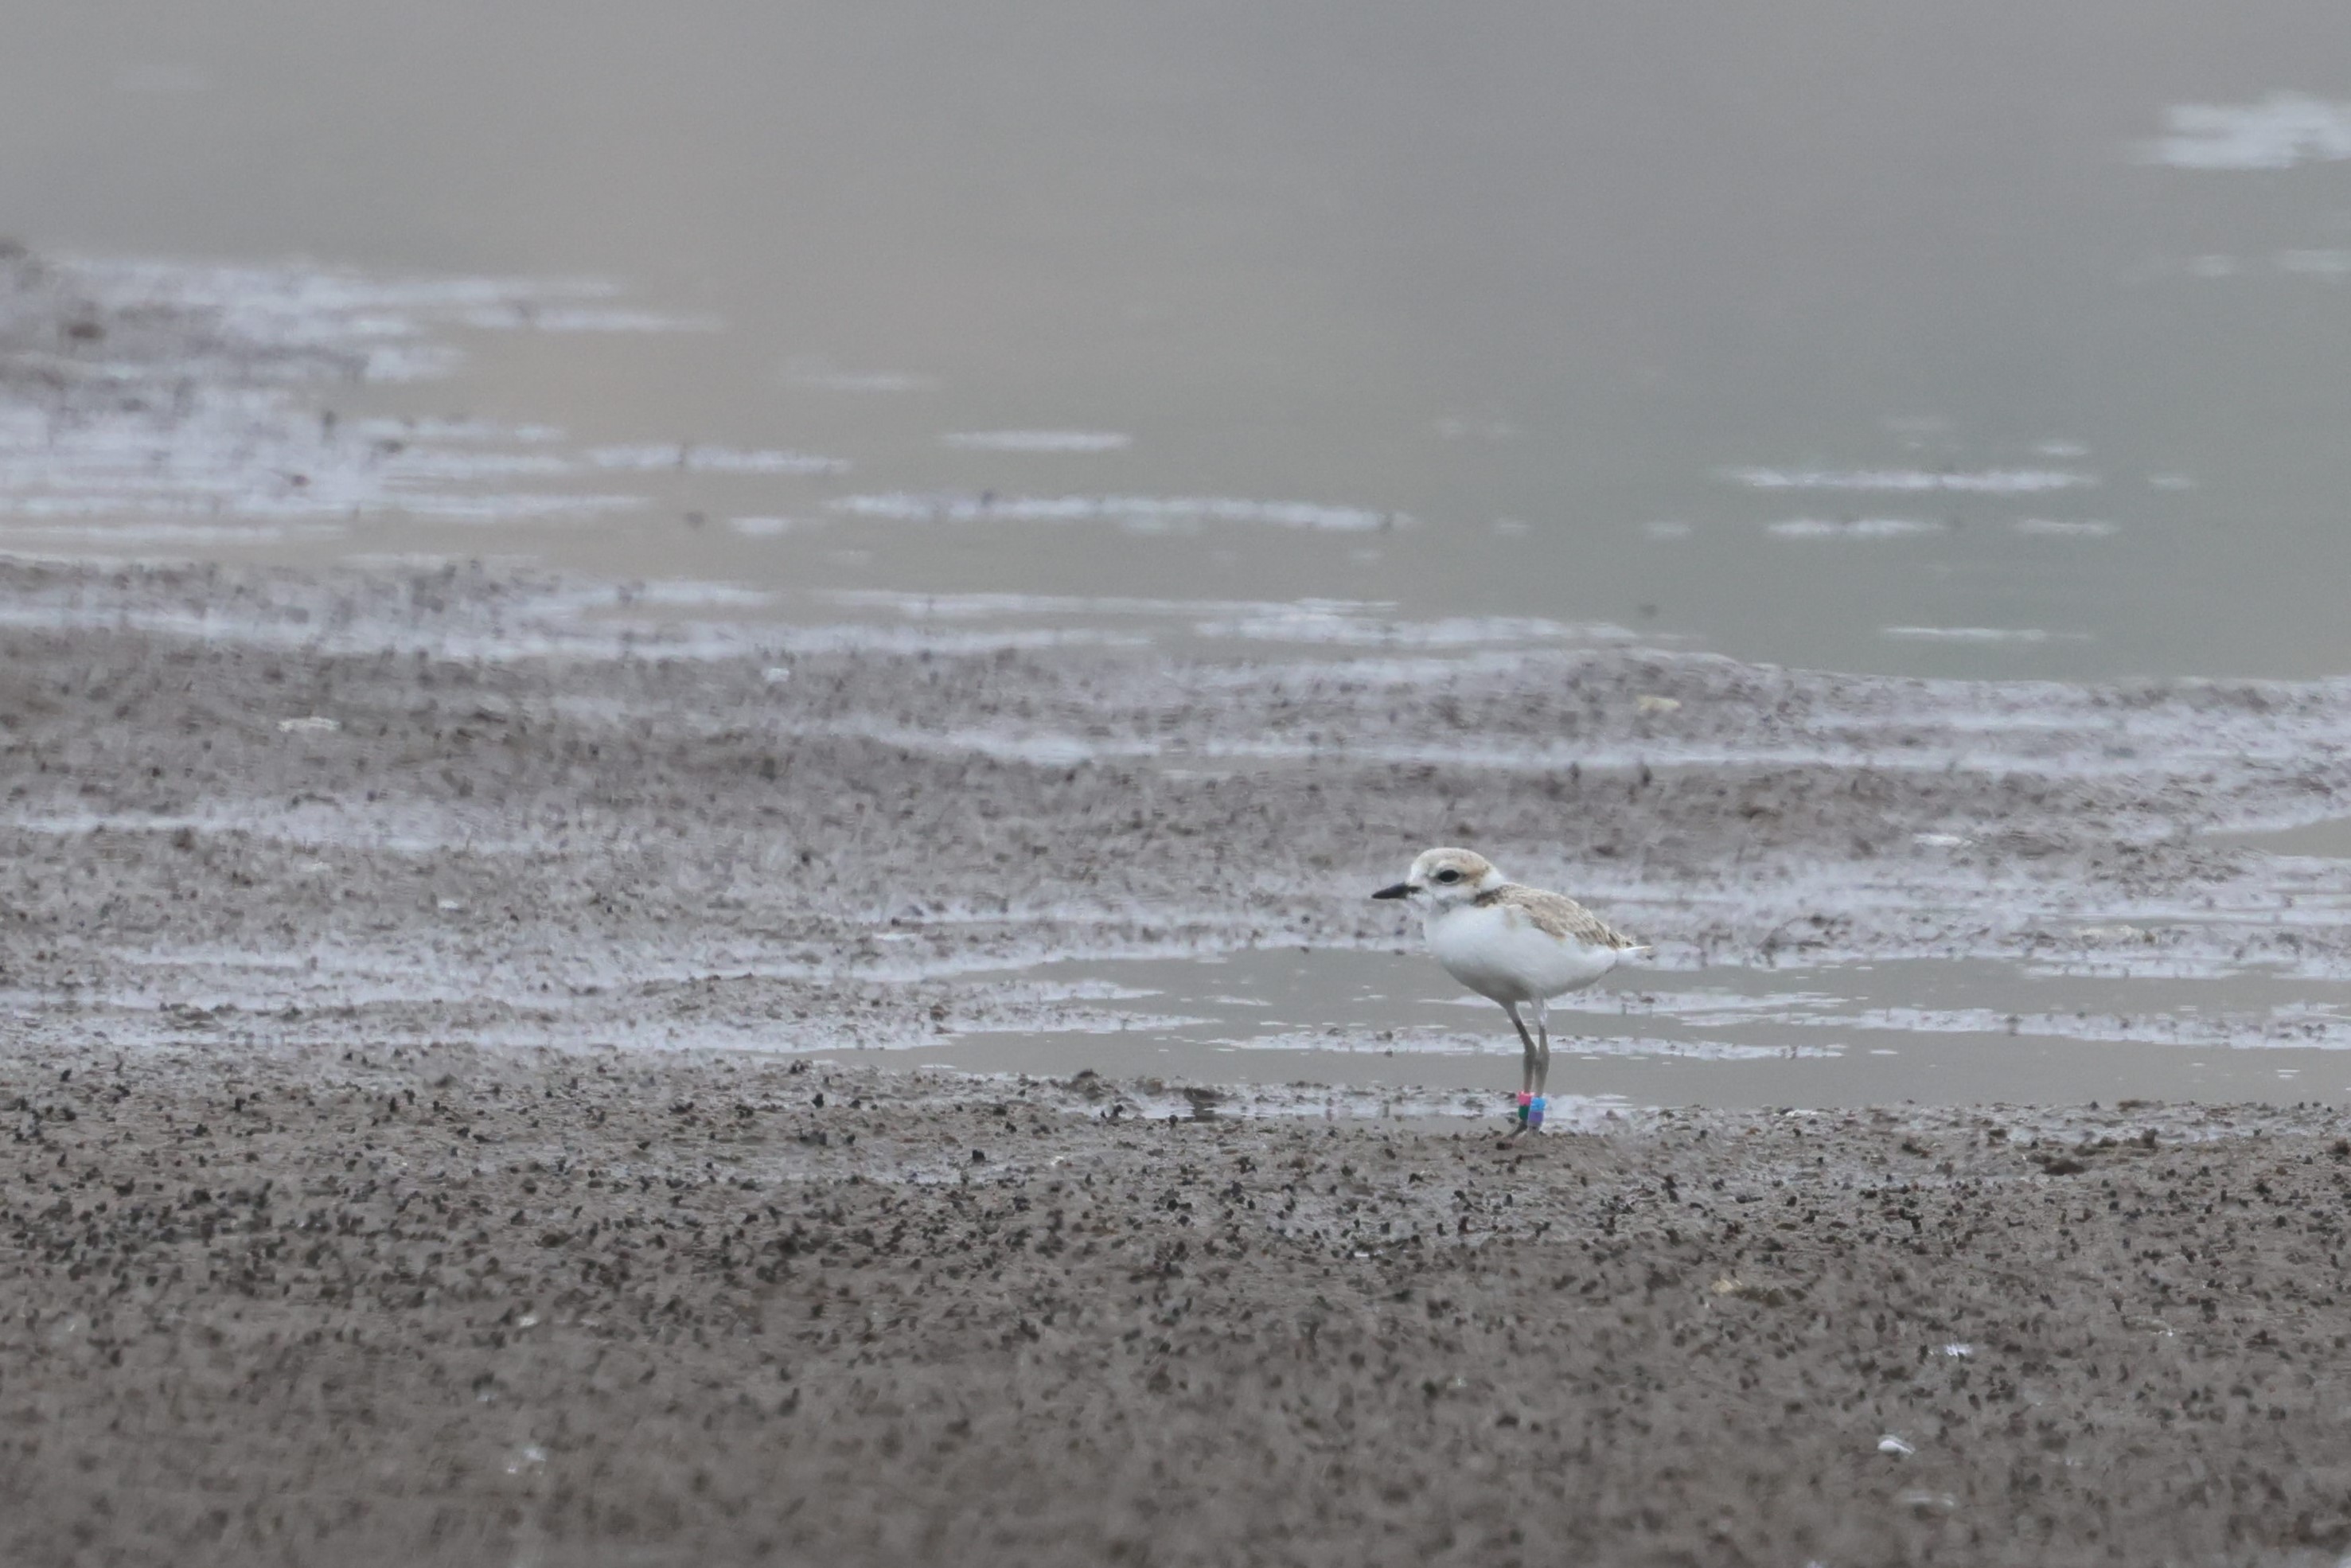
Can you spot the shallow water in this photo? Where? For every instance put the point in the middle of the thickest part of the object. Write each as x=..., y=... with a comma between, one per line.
x=1971, y=338
x=1833, y=1035
x=2329, y=840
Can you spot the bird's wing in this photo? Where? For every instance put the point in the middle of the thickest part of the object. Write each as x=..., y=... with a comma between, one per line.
x=1556, y=914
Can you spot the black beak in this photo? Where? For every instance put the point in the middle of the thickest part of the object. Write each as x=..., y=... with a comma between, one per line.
x=1401, y=890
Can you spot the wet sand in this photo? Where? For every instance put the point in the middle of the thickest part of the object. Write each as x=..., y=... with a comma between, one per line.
x=378, y=1193
x=493, y=804
x=458, y=1306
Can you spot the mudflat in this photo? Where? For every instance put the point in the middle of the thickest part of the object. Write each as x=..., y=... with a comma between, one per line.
x=495, y=1307
x=439, y=1133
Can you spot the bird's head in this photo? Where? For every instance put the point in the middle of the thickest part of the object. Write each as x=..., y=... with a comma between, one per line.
x=1446, y=877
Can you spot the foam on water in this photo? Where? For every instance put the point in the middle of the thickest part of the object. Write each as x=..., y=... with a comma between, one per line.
x=1855, y=528
x=2331, y=265
x=2282, y=131
x=977, y=606
x=203, y=535
x=1982, y=634
x=688, y=456
x=854, y=638
x=1139, y=514
x=694, y=595
x=1438, y=1042
x=523, y=316
x=1315, y=624
x=1064, y=441
x=2066, y=527
x=1986, y=482
x=821, y=376
x=189, y=391
x=1336, y=622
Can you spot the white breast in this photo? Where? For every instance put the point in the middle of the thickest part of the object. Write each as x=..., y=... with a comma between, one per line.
x=1499, y=953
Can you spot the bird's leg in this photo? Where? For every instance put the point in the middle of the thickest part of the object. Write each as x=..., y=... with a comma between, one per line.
x=1527, y=1077
x=1542, y=1055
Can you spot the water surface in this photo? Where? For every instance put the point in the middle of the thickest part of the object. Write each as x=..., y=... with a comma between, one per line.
x=1965, y=339
x=1928, y=1032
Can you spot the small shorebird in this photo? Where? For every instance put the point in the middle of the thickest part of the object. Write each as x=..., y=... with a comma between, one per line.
x=1512, y=945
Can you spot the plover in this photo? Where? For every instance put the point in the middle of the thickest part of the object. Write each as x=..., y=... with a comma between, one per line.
x=1512, y=945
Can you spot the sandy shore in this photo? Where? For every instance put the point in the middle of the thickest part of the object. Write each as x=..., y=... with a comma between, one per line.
x=379, y=1195
x=531, y=1307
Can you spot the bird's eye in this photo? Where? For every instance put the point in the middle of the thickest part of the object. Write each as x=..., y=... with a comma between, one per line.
x=1448, y=876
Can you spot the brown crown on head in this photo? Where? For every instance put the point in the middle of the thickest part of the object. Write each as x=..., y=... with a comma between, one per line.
x=1473, y=866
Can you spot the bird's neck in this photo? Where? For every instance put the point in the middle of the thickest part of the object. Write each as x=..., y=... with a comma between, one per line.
x=1443, y=909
